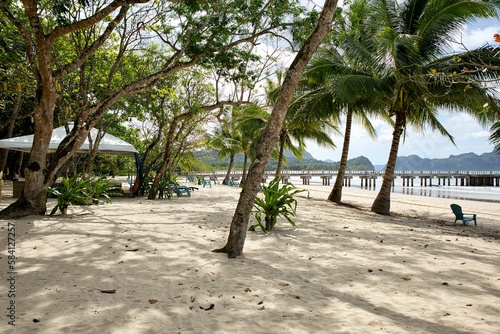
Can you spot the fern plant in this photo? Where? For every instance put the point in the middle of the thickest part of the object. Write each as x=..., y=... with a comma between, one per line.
x=277, y=202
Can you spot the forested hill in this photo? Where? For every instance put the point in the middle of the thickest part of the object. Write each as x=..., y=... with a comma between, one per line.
x=461, y=162
x=307, y=163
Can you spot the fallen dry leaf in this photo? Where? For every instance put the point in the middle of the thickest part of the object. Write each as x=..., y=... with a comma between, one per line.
x=106, y=291
x=212, y=306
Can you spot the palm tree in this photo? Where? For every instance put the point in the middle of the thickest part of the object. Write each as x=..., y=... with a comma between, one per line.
x=338, y=85
x=300, y=124
x=250, y=123
x=228, y=141
x=342, y=80
x=409, y=39
x=495, y=136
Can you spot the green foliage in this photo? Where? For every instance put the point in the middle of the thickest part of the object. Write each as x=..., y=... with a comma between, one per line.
x=277, y=202
x=72, y=191
x=102, y=187
x=165, y=186
x=495, y=137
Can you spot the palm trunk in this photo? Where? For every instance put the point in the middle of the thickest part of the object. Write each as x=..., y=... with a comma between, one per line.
x=336, y=194
x=229, y=169
x=279, y=165
x=382, y=203
x=245, y=162
x=239, y=223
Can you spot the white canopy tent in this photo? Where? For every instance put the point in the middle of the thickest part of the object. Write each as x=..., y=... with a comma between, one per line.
x=109, y=144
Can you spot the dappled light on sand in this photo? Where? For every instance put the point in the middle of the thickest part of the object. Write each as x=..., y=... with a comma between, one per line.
x=140, y=266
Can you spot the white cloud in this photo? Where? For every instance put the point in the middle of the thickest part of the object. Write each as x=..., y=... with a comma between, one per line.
x=468, y=134
x=479, y=34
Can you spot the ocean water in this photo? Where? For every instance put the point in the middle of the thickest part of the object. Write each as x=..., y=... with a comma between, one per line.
x=486, y=194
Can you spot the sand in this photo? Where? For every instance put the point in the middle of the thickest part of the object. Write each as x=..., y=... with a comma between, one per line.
x=341, y=270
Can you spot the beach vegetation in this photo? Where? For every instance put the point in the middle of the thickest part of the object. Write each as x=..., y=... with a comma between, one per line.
x=250, y=123
x=495, y=136
x=329, y=80
x=88, y=59
x=239, y=223
x=412, y=39
x=75, y=191
x=278, y=202
x=102, y=187
x=227, y=140
x=300, y=124
x=72, y=191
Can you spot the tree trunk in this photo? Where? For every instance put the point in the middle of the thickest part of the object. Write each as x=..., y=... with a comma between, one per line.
x=168, y=151
x=29, y=203
x=245, y=162
x=336, y=194
x=164, y=164
x=94, y=148
x=39, y=174
x=382, y=203
x=269, y=223
x=239, y=223
x=279, y=165
x=10, y=130
x=229, y=169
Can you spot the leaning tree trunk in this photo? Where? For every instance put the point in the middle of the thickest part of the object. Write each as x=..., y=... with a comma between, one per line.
x=336, y=194
x=382, y=203
x=229, y=169
x=279, y=165
x=239, y=223
x=167, y=154
x=245, y=162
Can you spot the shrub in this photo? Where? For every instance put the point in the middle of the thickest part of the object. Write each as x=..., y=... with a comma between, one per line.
x=277, y=202
x=74, y=191
x=102, y=187
x=70, y=192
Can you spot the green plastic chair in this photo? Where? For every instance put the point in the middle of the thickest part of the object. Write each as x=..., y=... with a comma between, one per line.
x=459, y=215
x=180, y=190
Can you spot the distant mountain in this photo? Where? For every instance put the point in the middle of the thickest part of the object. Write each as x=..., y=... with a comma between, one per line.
x=461, y=162
x=307, y=163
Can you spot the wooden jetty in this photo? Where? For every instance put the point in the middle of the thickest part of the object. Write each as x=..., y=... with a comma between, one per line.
x=369, y=178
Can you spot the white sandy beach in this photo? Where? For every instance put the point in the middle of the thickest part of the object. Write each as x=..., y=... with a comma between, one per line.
x=342, y=270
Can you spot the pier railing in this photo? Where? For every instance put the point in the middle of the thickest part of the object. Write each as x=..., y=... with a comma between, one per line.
x=461, y=178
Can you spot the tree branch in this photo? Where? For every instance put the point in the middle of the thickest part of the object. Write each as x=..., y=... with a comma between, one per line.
x=84, y=56
x=97, y=17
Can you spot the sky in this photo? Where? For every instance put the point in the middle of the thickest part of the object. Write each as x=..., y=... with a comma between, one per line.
x=468, y=135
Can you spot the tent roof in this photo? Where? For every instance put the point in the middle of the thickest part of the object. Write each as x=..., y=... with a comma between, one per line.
x=109, y=144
